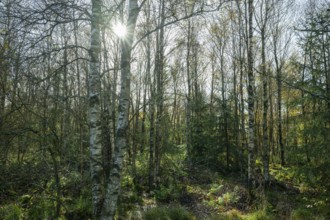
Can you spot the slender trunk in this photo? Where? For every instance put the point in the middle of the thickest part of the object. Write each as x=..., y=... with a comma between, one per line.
x=135, y=132
x=57, y=182
x=326, y=59
x=279, y=104
x=4, y=72
x=265, y=107
x=144, y=113
x=303, y=112
x=241, y=82
x=237, y=132
x=108, y=105
x=66, y=104
x=151, y=146
x=175, y=111
x=3, y=85
x=189, y=98
x=113, y=107
x=159, y=75
x=94, y=90
x=271, y=140
x=242, y=109
x=213, y=63
x=106, y=136
x=113, y=185
x=226, y=126
x=251, y=99
x=224, y=102
x=151, y=85
x=78, y=106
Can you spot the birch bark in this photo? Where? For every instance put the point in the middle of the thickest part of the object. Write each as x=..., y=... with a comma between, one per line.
x=251, y=98
x=113, y=184
x=95, y=130
x=263, y=31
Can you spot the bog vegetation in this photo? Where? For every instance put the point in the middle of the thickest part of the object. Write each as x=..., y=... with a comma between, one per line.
x=195, y=110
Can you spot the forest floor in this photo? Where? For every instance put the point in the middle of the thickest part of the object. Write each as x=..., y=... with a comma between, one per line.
x=184, y=194
x=204, y=194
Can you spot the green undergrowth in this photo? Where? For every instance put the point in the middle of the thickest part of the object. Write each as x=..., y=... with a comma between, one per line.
x=183, y=193
x=31, y=192
x=305, y=195
x=236, y=215
x=168, y=213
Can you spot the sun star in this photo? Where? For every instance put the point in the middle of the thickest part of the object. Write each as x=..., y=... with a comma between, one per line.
x=119, y=29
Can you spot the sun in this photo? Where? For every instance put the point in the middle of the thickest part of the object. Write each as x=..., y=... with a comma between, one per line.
x=119, y=29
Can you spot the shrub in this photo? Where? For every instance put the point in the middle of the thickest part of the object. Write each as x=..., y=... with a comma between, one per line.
x=231, y=215
x=168, y=213
x=11, y=212
x=301, y=214
x=260, y=215
x=166, y=194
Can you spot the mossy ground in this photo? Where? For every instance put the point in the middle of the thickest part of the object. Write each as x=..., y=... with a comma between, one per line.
x=193, y=194
x=209, y=195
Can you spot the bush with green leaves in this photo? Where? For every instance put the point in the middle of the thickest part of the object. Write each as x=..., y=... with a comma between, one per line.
x=219, y=197
x=11, y=212
x=301, y=214
x=167, y=193
x=168, y=213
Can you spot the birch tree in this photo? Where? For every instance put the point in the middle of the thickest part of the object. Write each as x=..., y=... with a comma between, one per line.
x=159, y=76
x=94, y=95
x=251, y=97
x=113, y=184
x=262, y=23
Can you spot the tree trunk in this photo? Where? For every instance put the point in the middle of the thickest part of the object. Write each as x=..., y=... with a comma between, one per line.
x=251, y=100
x=135, y=133
x=4, y=72
x=237, y=132
x=94, y=90
x=279, y=104
x=242, y=50
x=189, y=98
x=265, y=106
x=113, y=185
x=224, y=101
x=151, y=85
x=107, y=109
x=144, y=113
x=151, y=173
x=159, y=75
x=78, y=101
x=271, y=119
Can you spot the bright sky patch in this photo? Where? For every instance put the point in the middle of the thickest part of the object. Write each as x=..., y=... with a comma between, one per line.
x=119, y=29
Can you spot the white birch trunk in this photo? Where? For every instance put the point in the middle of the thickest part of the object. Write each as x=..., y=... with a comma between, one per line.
x=113, y=184
x=251, y=98
x=265, y=8
x=95, y=135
